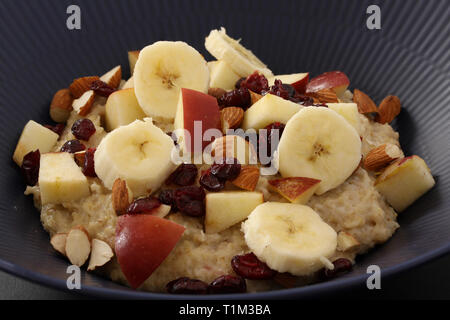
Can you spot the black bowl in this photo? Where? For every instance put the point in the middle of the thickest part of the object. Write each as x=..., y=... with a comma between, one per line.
x=408, y=57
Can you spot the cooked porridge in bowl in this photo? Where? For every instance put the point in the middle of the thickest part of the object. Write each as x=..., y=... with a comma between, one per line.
x=217, y=177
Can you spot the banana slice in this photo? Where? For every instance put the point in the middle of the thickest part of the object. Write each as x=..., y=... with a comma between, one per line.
x=319, y=143
x=240, y=59
x=289, y=237
x=139, y=153
x=161, y=70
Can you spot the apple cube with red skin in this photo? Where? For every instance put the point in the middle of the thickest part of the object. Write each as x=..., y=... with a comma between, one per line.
x=143, y=241
x=298, y=80
x=295, y=189
x=194, y=107
x=335, y=80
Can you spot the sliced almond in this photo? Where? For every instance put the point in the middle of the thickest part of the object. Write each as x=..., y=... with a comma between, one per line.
x=84, y=104
x=61, y=105
x=324, y=96
x=254, y=96
x=364, y=102
x=381, y=156
x=113, y=77
x=216, y=92
x=101, y=253
x=162, y=211
x=81, y=85
x=231, y=118
x=389, y=108
x=121, y=196
x=78, y=246
x=132, y=59
x=346, y=242
x=248, y=178
x=58, y=242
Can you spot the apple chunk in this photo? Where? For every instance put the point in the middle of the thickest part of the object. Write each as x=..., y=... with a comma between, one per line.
x=404, y=181
x=335, y=80
x=60, y=179
x=349, y=111
x=122, y=108
x=297, y=80
x=224, y=209
x=142, y=243
x=194, y=109
x=34, y=136
x=295, y=189
x=267, y=110
x=221, y=75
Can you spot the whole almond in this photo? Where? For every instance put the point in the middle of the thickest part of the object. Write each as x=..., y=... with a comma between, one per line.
x=231, y=118
x=381, y=156
x=120, y=196
x=248, y=178
x=81, y=85
x=324, y=96
x=364, y=102
x=61, y=105
x=389, y=108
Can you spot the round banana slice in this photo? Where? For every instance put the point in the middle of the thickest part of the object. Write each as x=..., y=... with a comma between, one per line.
x=139, y=153
x=161, y=70
x=289, y=237
x=240, y=59
x=319, y=143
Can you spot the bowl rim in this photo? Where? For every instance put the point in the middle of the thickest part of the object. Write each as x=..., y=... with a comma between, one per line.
x=298, y=292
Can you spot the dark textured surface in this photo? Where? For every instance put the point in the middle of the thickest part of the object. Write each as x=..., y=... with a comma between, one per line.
x=408, y=57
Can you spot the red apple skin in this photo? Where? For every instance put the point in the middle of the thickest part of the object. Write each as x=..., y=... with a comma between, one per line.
x=198, y=106
x=300, y=85
x=335, y=80
x=293, y=187
x=142, y=243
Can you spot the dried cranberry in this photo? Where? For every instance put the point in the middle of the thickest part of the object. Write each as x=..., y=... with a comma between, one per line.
x=58, y=128
x=278, y=90
x=101, y=88
x=73, y=146
x=237, y=85
x=227, y=284
x=186, y=285
x=83, y=129
x=290, y=89
x=166, y=197
x=228, y=170
x=210, y=182
x=341, y=266
x=89, y=164
x=265, y=141
x=303, y=100
x=250, y=267
x=143, y=205
x=184, y=175
x=255, y=82
x=189, y=200
x=237, y=98
x=30, y=167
